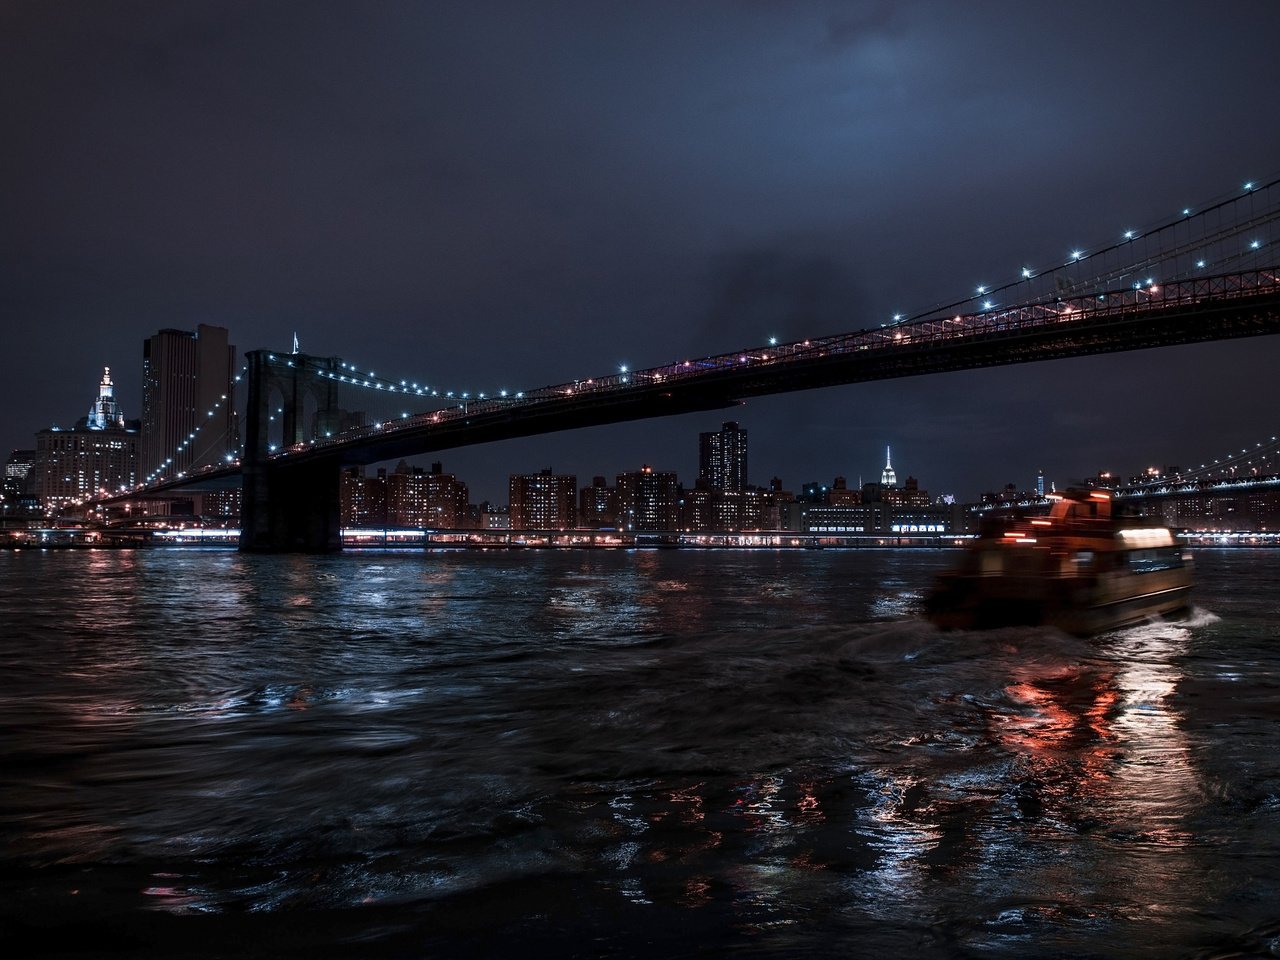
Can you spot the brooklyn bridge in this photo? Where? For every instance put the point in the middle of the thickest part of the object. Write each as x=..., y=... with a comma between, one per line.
x=1209, y=273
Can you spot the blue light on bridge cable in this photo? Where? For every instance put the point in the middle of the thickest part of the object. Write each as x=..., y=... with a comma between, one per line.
x=1026, y=272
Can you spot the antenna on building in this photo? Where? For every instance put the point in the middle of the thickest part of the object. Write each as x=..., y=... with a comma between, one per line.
x=295, y=341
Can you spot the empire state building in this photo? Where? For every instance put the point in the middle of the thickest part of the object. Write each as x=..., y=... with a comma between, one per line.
x=887, y=477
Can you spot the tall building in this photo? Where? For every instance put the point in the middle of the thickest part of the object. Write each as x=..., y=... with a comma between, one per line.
x=648, y=501
x=722, y=458
x=187, y=389
x=17, y=471
x=363, y=500
x=416, y=498
x=98, y=454
x=16, y=498
x=543, y=501
x=908, y=495
x=598, y=505
x=887, y=477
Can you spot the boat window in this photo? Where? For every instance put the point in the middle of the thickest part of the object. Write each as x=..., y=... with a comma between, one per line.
x=1160, y=558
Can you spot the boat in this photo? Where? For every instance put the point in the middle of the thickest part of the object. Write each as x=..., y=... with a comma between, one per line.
x=1085, y=568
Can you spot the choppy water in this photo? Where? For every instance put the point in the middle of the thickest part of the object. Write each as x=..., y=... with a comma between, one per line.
x=650, y=754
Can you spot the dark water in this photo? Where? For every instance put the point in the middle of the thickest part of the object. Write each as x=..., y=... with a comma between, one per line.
x=619, y=754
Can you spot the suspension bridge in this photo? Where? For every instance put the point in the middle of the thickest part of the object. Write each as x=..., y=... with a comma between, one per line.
x=1207, y=273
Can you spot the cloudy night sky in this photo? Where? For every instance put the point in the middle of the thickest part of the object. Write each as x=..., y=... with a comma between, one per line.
x=488, y=195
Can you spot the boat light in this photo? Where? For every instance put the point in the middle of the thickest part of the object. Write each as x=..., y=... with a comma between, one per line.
x=1147, y=537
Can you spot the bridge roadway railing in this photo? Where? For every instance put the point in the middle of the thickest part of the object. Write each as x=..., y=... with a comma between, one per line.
x=1126, y=302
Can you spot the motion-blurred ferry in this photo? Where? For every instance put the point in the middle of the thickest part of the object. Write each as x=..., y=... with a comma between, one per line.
x=1083, y=568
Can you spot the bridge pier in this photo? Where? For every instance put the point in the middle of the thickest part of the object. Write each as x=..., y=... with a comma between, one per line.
x=286, y=507
x=291, y=510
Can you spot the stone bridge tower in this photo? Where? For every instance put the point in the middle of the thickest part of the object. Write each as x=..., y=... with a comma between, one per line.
x=290, y=503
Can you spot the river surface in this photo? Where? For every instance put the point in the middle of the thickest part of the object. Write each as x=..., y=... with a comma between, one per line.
x=622, y=754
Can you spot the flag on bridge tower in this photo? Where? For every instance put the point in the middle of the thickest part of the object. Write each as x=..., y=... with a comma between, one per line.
x=295, y=342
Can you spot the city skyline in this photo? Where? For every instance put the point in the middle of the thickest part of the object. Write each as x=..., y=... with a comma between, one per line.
x=720, y=454
x=447, y=205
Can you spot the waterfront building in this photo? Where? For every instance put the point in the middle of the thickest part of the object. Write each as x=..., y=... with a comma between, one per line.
x=187, y=389
x=434, y=500
x=814, y=492
x=1233, y=508
x=727, y=511
x=18, y=472
x=98, y=454
x=697, y=513
x=722, y=458
x=882, y=518
x=16, y=496
x=351, y=498
x=363, y=499
x=493, y=517
x=598, y=505
x=648, y=500
x=908, y=495
x=543, y=501
x=222, y=505
x=841, y=496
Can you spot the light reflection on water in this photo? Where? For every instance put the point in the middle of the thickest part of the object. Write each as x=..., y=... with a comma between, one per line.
x=767, y=751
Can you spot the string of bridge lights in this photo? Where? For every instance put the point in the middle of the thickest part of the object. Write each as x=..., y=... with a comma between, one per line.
x=1228, y=464
x=351, y=374
x=189, y=441
x=1079, y=255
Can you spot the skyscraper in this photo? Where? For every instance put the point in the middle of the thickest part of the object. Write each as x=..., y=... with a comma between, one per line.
x=648, y=501
x=187, y=381
x=98, y=454
x=887, y=477
x=722, y=458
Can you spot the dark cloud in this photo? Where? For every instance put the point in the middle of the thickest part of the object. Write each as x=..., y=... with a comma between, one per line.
x=861, y=23
x=767, y=292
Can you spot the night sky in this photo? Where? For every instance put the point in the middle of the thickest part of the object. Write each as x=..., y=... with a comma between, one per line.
x=494, y=195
